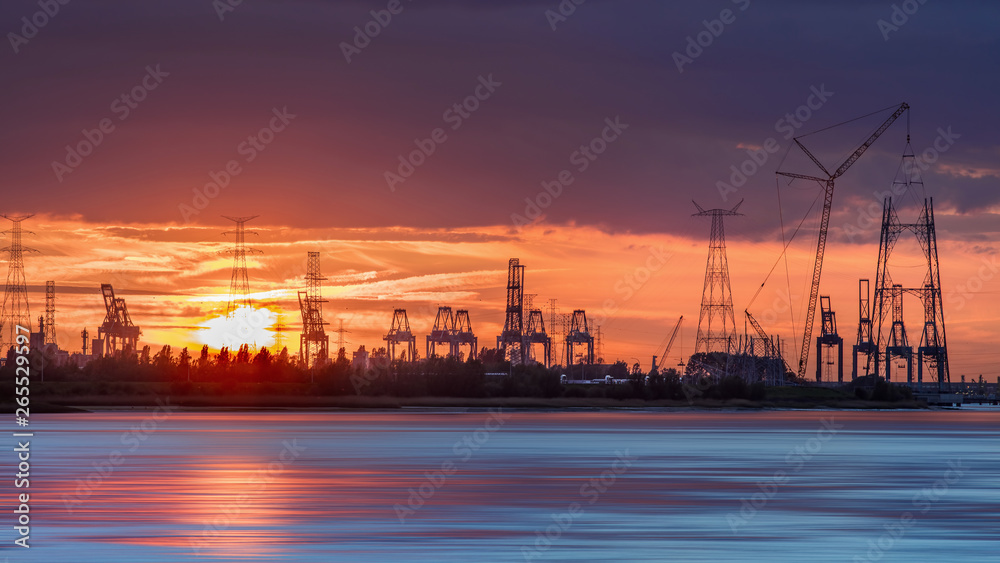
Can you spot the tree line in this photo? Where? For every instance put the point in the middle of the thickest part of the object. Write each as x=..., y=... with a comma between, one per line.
x=248, y=371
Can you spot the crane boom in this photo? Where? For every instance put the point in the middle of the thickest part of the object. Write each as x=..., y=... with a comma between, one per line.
x=669, y=342
x=760, y=331
x=870, y=141
x=772, y=350
x=824, y=225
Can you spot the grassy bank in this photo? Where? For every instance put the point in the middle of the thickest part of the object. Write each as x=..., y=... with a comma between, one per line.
x=70, y=397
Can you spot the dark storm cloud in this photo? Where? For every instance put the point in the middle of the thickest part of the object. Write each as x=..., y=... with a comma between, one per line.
x=606, y=60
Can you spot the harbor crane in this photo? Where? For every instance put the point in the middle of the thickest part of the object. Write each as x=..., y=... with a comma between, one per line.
x=117, y=333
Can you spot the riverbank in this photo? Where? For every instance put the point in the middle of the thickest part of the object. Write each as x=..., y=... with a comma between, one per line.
x=784, y=398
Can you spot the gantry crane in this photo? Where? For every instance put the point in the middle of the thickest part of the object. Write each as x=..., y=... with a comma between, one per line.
x=824, y=224
x=827, y=339
x=669, y=340
x=117, y=333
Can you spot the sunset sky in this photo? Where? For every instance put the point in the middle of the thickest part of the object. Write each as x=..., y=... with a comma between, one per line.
x=200, y=87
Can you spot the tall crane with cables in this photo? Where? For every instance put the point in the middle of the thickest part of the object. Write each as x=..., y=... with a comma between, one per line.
x=828, y=183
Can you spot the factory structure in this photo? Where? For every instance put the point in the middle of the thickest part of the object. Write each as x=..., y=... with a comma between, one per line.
x=890, y=346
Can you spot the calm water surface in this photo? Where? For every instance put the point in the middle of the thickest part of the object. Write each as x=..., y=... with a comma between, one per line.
x=417, y=485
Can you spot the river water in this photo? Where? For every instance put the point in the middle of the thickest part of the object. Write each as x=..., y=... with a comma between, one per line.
x=512, y=485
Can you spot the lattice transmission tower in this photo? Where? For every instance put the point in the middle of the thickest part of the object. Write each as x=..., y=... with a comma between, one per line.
x=890, y=338
x=279, y=333
x=716, y=323
x=50, y=312
x=14, y=311
x=239, y=286
x=341, y=342
x=932, y=349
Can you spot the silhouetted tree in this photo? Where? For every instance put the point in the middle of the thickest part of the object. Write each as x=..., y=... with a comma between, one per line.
x=222, y=359
x=243, y=354
x=163, y=359
x=203, y=359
